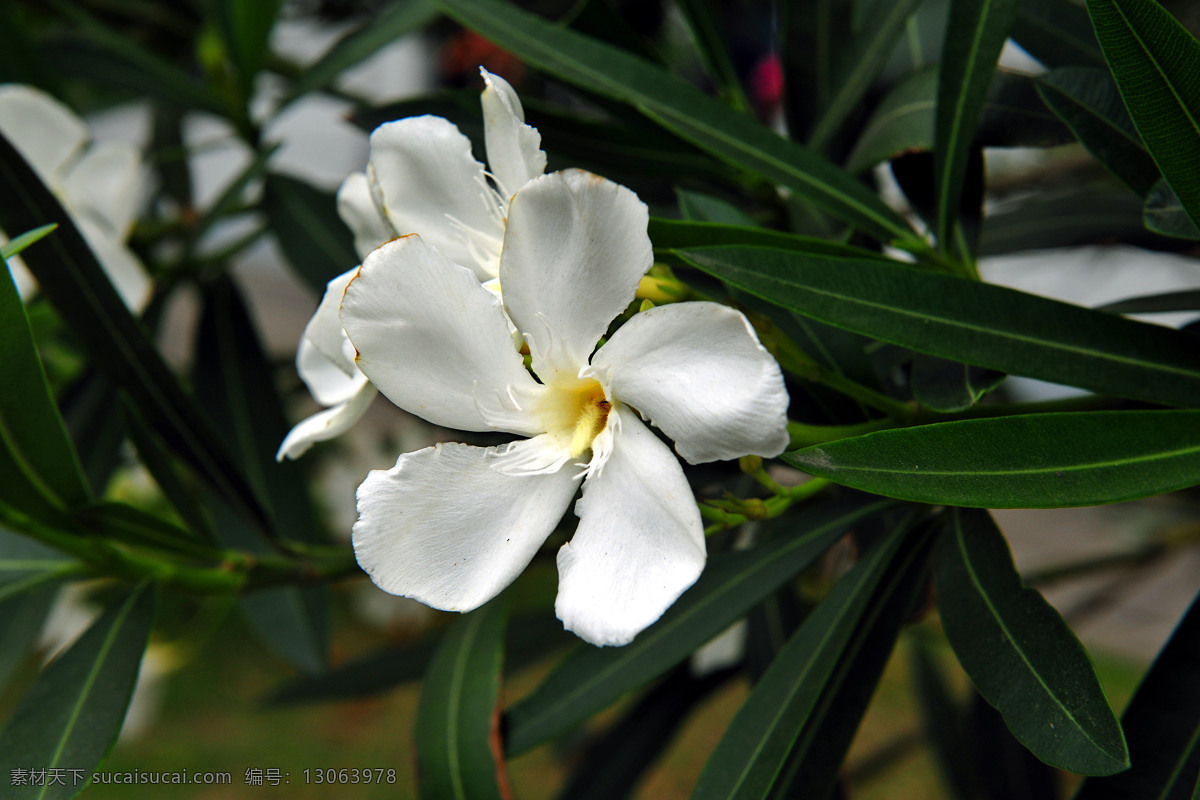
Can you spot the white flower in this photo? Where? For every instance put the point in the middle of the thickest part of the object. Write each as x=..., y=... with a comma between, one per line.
x=452, y=525
x=101, y=186
x=421, y=178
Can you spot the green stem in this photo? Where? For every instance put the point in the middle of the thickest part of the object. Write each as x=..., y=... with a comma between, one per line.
x=742, y=510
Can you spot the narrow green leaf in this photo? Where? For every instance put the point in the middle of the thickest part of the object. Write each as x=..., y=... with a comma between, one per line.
x=1157, y=66
x=1057, y=33
x=316, y=242
x=18, y=244
x=1027, y=461
x=592, y=678
x=949, y=386
x=974, y=37
x=71, y=715
x=21, y=619
x=672, y=234
x=125, y=523
x=1020, y=654
x=751, y=759
x=698, y=207
x=78, y=287
x=232, y=195
x=88, y=408
x=704, y=19
x=1156, y=303
x=942, y=721
x=1164, y=214
x=458, y=709
x=1162, y=725
x=1087, y=100
x=40, y=473
x=23, y=559
x=246, y=27
x=975, y=323
x=1065, y=219
x=680, y=107
x=395, y=20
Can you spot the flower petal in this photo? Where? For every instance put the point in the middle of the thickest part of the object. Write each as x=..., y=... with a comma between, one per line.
x=574, y=251
x=326, y=424
x=429, y=183
x=324, y=330
x=513, y=148
x=445, y=527
x=698, y=372
x=46, y=132
x=639, y=544
x=432, y=339
x=327, y=382
x=356, y=206
x=106, y=186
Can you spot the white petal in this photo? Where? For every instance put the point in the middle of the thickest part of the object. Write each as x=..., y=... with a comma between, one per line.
x=513, y=148
x=356, y=206
x=326, y=424
x=106, y=186
x=123, y=268
x=446, y=528
x=327, y=382
x=46, y=132
x=324, y=330
x=639, y=544
x=432, y=339
x=429, y=183
x=574, y=251
x=698, y=372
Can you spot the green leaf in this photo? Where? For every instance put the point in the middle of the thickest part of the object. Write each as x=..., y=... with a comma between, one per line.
x=949, y=386
x=458, y=709
x=71, y=715
x=592, y=678
x=78, y=287
x=40, y=473
x=1087, y=100
x=22, y=558
x=752, y=758
x=698, y=207
x=1156, y=303
x=125, y=523
x=975, y=35
x=1057, y=33
x=21, y=619
x=246, y=27
x=1156, y=63
x=942, y=721
x=704, y=19
x=395, y=20
x=671, y=234
x=680, y=107
x=1027, y=461
x=1065, y=219
x=1164, y=214
x=18, y=244
x=1162, y=725
x=97, y=432
x=316, y=242
x=975, y=323
x=1020, y=654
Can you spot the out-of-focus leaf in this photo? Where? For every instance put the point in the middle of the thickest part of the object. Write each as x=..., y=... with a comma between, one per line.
x=70, y=716
x=703, y=17
x=10, y=249
x=1087, y=100
x=1007, y=770
x=395, y=20
x=246, y=27
x=21, y=618
x=671, y=234
x=88, y=411
x=79, y=288
x=681, y=108
x=1020, y=654
x=974, y=37
x=1028, y=461
x=1057, y=33
x=592, y=678
x=125, y=523
x=698, y=207
x=1164, y=214
x=1065, y=220
x=40, y=473
x=1156, y=303
x=858, y=65
x=753, y=759
x=975, y=323
x=232, y=195
x=942, y=721
x=304, y=219
x=458, y=712
x=949, y=386
x=1161, y=723
x=809, y=35
x=24, y=561
x=1154, y=60
x=20, y=60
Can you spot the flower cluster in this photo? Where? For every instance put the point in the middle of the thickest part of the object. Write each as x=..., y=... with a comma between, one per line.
x=437, y=319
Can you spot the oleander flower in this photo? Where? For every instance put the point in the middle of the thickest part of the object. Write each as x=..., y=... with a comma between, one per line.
x=421, y=178
x=100, y=185
x=452, y=525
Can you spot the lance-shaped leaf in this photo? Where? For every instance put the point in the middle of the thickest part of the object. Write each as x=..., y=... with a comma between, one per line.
x=1065, y=219
x=246, y=26
x=1187, y=300
x=592, y=678
x=681, y=108
x=975, y=35
x=1162, y=725
x=40, y=473
x=949, y=386
x=1027, y=461
x=674, y=234
x=1020, y=654
x=1087, y=100
x=88, y=408
x=78, y=287
x=752, y=759
x=71, y=715
x=1165, y=214
x=458, y=748
x=704, y=19
x=1156, y=63
x=304, y=219
x=975, y=323
x=1057, y=33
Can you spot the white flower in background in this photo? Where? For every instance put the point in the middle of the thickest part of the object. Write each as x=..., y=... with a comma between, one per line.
x=421, y=178
x=452, y=525
x=101, y=186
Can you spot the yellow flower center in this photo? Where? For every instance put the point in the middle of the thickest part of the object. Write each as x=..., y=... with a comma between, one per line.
x=574, y=412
